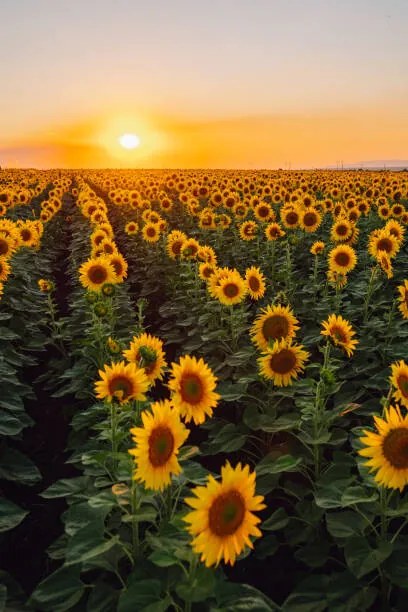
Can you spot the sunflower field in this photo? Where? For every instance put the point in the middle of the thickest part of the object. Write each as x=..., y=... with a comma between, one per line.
x=203, y=391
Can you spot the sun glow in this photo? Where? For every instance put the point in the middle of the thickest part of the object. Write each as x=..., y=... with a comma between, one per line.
x=129, y=141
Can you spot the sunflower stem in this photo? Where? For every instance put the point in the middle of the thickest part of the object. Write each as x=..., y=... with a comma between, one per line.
x=135, y=523
x=370, y=290
x=113, y=414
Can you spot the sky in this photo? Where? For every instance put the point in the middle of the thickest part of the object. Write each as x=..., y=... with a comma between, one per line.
x=215, y=83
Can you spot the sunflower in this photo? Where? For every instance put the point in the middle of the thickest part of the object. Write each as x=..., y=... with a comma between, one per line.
x=283, y=362
x=396, y=229
x=190, y=248
x=263, y=212
x=207, y=254
x=383, y=240
x=399, y=379
x=46, y=286
x=192, y=385
x=175, y=243
x=231, y=289
x=5, y=269
x=255, y=281
x=340, y=332
x=146, y=352
x=273, y=231
x=310, y=219
x=341, y=230
x=157, y=445
x=131, y=228
x=274, y=323
x=384, y=211
x=387, y=449
x=151, y=232
x=7, y=245
x=403, y=299
x=94, y=273
x=290, y=217
x=385, y=264
x=342, y=259
x=223, y=519
x=122, y=382
x=206, y=270
x=108, y=247
x=248, y=230
x=317, y=247
x=119, y=265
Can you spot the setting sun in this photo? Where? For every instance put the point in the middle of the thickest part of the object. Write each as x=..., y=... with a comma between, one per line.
x=129, y=141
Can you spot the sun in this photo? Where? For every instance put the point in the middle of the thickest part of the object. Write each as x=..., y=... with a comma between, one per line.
x=129, y=141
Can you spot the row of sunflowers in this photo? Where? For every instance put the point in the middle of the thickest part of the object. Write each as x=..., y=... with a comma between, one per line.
x=231, y=349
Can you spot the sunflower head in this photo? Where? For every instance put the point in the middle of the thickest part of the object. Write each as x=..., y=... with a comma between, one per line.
x=386, y=450
x=274, y=323
x=121, y=382
x=283, y=362
x=223, y=518
x=399, y=380
x=340, y=332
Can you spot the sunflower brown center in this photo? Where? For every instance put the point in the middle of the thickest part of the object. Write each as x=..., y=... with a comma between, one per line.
x=117, y=266
x=342, y=259
x=402, y=382
x=395, y=447
x=384, y=244
x=120, y=386
x=275, y=327
x=338, y=334
x=309, y=219
x=191, y=389
x=263, y=211
x=97, y=274
x=291, y=218
x=226, y=513
x=151, y=232
x=342, y=230
x=254, y=284
x=231, y=290
x=4, y=247
x=161, y=446
x=25, y=235
x=283, y=362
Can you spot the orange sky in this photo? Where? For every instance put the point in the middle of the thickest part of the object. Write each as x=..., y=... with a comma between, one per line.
x=231, y=83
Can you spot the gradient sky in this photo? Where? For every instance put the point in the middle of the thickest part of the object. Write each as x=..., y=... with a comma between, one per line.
x=221, y=83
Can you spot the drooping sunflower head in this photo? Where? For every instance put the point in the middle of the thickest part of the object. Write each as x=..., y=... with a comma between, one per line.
x=146, y=352
x=5, y=269
x=189, y=248
x=121, y=382
x=387, y=449
x=317, y=248
x=223, y=518
x=399, y=380
x=157, y=445
x=273, y=323
x=96, y=272
x=403, y=299
x=340, y=332
x=206, y=270
x=192, y=386
x=283, y=362
x=255, y=281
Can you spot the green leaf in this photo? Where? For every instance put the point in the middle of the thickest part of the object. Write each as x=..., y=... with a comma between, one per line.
x=361, y=558
x=278, y=520
x=58, y=592
x=17, y=467
x=345, y=524
x=358, y=495
x=242, y=598
x=3, y=597
x=10, y=515
x=275, y=465
x=88, y=543
x=163, y=558
x=139, y=594
x=65, y=487
x=200, y=588
x=9, y=424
